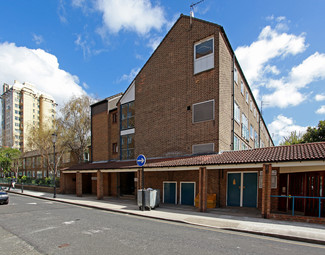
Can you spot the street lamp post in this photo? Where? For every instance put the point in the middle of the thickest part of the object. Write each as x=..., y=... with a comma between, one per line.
x=54, y=136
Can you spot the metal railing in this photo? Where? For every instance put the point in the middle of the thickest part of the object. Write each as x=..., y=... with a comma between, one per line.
x=295, y=197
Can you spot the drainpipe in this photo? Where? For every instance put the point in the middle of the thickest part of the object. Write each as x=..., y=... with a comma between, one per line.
x=233, y=102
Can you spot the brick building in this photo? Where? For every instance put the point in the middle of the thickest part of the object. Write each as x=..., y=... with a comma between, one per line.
x=190, y=98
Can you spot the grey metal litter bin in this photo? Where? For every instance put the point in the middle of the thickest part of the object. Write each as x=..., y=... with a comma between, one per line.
x=151, y=198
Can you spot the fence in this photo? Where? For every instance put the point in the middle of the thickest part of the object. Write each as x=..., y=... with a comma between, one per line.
x=303, y=197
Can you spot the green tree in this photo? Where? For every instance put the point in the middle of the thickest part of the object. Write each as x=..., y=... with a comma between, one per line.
x=41, y=139
x=315, y=134
x=8, y=158
x=75, y=125
x=293, y=138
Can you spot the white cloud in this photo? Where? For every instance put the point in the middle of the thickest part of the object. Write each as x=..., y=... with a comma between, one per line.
x=83, y=44
x=154, y=42
x=129, y=77
x=85, y=85
x=320, y=97
x=287, y=88
x=131, y=15
x=270, y=45
x=38, y=39
x=321, y=110
x=39, y=68
x=282, y=127
x=62, y=12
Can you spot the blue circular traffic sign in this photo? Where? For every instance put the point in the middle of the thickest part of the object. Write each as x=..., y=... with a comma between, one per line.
x=141, y=160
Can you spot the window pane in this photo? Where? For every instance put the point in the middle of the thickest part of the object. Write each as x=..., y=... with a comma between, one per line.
x=124, y=111
x=131, y=122
x=124, y=142
x=124, y=124
x=204, y=48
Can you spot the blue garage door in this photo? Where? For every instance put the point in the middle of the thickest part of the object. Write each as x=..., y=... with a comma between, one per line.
x=187, y=193
x=233, y=196
x=170, y=192
x=250, y=190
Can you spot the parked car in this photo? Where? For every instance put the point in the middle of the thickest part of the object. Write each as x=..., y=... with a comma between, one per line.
x=4, y=197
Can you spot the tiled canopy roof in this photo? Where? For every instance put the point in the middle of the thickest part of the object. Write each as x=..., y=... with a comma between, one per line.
x=298, y=152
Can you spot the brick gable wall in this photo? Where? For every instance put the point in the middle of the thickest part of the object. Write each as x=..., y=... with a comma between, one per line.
x=166, y=86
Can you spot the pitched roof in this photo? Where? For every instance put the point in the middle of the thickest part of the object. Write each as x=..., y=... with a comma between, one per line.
x=298, y=152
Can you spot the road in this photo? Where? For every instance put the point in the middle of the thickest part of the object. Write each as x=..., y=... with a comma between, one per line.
x=36, y=226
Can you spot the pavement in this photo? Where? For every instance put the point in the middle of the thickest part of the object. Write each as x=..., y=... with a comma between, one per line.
x=235, y=219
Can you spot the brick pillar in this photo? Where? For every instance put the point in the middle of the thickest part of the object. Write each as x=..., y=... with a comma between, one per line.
x=62, y=183
x=100, y=185
x=79, y=184
x=266, y=190
x=203, y=187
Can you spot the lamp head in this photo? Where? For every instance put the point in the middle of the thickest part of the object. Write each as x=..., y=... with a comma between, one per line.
x=54, y=137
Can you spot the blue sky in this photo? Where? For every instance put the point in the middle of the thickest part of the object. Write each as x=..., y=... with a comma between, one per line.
x=97, y=46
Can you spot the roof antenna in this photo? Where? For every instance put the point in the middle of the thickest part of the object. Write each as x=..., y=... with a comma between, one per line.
x=192, y=10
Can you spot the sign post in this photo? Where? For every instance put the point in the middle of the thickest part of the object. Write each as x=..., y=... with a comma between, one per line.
x=141, y=160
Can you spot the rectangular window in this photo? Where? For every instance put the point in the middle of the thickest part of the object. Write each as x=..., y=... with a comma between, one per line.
x=254, y=112
x=114, y=148
x=203, y=55
x=236, y=143
x=203, y=111
x=235, y=75
x=204, y=48
x=244, y=146
x=127, y=146
x=256, y=139
x=252, y=132
x=246, y=97
x=114, y=117
x=251, y=105
x=127, y=115
x=236, y=112
x=203, y=148
x=245, y=131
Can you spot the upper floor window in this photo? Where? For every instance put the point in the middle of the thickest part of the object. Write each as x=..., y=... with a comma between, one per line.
x=127, y=147
x=245, y=131
x=247, y=97
x=114, y=117
x=256, y=139
x=204, y=48
x=114, y=148
x=203, y=111
x=235, y=75
x=203, y=55
x=236, y=143
x=127, y=115
x=252, y=132
x=236, y=112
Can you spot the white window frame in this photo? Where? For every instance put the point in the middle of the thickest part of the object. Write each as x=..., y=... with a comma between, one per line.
x=236, y=112
x=203, y=59
x=200, y=42
x=236, y=143
x=235, y=75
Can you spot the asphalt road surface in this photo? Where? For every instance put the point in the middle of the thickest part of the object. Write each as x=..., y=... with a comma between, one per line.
x=36, y=226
